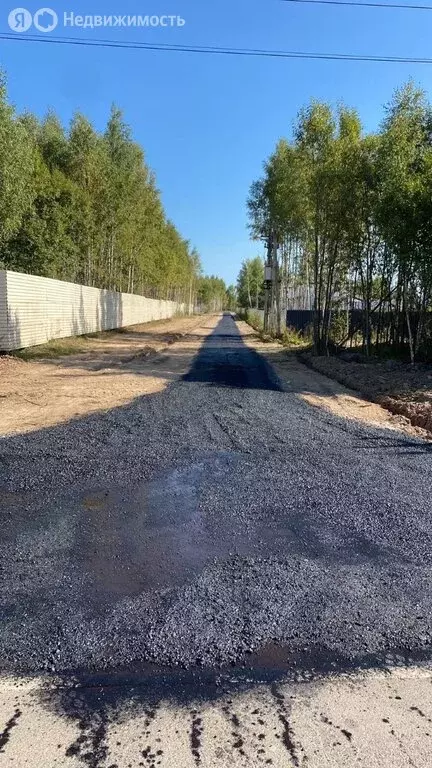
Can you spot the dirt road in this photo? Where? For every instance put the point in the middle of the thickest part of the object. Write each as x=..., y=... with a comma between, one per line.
x=218, y=525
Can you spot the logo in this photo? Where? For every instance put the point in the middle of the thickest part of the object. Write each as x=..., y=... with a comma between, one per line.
x=20, y=20
x=45, y=20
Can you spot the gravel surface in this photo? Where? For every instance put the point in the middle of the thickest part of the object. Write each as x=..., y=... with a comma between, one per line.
x=210, y=520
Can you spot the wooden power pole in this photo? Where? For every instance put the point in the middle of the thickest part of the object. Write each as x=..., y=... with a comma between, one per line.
x=272, y=320
x=268, y=274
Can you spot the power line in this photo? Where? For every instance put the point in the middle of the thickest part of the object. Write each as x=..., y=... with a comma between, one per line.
x=134, y=45
x=363, y=5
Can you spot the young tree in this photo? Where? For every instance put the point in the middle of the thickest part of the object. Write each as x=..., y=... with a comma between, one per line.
x=16, y=173
x=250, y=284
x=83, y=206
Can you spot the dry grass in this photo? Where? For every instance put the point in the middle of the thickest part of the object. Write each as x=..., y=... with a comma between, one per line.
x=89, y=342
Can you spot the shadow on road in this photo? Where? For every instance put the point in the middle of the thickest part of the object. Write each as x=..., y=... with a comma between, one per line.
x=224, y=360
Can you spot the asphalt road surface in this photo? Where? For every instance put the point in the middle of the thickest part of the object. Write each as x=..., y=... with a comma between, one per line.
x=220, y=524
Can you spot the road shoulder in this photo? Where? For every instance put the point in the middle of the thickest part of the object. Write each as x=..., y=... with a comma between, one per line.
x=115, y=369
x=321, y=391
x=374, y=719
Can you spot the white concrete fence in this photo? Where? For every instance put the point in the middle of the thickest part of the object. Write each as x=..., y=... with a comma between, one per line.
x=34, y=310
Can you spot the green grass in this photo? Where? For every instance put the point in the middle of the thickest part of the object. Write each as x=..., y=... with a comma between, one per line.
x=289, y=336
x=53, y=349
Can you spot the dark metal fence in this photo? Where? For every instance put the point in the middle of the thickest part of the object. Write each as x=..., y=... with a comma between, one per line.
x=354, y=321
x=300, y=319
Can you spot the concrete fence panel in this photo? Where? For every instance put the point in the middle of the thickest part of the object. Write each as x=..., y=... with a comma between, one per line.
x=3, y=310
x=34, y=310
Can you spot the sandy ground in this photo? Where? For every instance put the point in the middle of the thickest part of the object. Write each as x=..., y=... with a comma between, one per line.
x=369, y=720
x=403, y=390
x=321, y=391
x=42, y=393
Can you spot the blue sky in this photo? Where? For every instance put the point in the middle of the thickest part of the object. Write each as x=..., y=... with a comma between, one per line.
x=208, y=122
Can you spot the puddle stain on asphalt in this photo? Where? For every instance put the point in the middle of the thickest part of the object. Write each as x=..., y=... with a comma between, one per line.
x=95, y=501
x=6, y=733
x=153, y=535
x=13, y=497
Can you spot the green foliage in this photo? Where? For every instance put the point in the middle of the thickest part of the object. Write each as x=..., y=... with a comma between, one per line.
x=54, y=349
x=250, y=284
x=211, y=294
x=16, y=160
x=83, y=206
x=352, y=217
x=253, y=318
x=291, y=338
x=338, y=327
x=231, y=299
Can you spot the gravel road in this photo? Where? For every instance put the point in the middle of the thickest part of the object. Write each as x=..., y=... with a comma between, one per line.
x=223, y=518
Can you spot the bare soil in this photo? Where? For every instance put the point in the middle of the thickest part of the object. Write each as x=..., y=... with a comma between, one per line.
x=402, y=389
x=319, y=387
x=114, y=369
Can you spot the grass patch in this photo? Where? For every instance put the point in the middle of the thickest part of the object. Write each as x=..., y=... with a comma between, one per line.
x=75, y=345
x=72, y=345
x=289, y=336
x=252, y=318
x=292, y=338
x=53, y=349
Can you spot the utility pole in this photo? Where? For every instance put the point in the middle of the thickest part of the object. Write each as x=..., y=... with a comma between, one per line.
x=277, y=285
x=272, y=319
x=268, y=279
x=275, y=291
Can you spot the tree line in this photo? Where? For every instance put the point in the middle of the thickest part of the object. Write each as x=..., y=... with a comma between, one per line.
x=250, y=284
x=347, y=220
x=83, y=206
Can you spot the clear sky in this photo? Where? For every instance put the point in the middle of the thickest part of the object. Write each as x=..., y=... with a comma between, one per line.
x=208, y=122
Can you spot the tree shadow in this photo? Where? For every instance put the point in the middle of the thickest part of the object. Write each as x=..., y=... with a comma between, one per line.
x=111, y=310
x=326, y=387
x=138, y=516
x=224, y=360
x=13, y=336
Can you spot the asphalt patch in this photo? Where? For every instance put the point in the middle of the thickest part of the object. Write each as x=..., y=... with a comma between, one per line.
x=198, y=526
